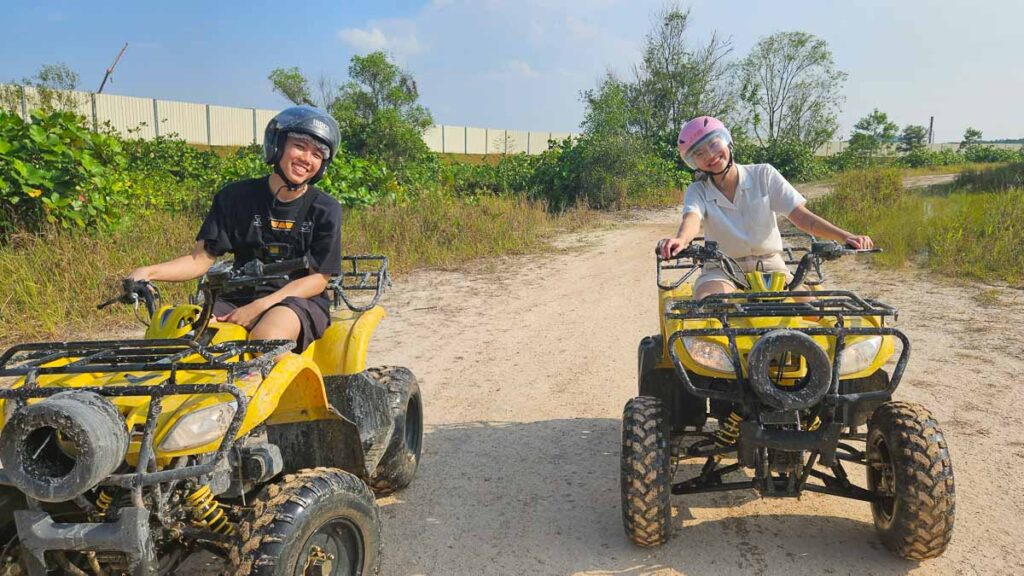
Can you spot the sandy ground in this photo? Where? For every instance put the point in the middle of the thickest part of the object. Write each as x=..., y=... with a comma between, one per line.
x=526, y=362
x=525, y=368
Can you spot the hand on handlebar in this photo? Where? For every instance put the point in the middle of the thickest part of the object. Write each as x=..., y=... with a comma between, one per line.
x=859, y=242
x=669, y=247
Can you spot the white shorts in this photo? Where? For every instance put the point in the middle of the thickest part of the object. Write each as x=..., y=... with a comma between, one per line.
x=712, y=271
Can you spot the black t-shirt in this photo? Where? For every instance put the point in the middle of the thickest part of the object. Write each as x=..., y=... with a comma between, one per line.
x=245, y=218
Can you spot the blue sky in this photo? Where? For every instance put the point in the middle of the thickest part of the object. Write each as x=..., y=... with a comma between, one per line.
x=521, y=64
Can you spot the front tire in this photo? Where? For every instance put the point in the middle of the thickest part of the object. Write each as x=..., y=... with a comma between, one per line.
x=320, y=520
x=645, y=473
x=401, y=459
x=910, y=468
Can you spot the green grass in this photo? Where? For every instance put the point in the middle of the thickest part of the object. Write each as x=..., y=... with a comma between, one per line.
x=52, y=282
x=973, y=230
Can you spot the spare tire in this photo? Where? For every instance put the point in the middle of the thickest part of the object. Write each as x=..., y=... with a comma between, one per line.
x=57, y=449
x=814, y=386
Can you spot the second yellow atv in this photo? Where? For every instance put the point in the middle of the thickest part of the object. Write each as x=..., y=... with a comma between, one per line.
x=122, y=457
x=791, y=376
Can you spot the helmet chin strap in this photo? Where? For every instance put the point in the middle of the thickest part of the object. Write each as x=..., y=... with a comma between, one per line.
x=292, y=187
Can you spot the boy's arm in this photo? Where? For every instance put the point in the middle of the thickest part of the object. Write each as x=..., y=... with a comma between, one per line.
x=188, y=267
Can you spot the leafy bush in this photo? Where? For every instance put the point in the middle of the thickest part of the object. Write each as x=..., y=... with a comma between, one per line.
x=55, y=172
x=794, y=160
x=979, y=153
x=606, y=172
x=166, y=173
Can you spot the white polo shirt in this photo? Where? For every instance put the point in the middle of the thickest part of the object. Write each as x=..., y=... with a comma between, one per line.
x=746, y=226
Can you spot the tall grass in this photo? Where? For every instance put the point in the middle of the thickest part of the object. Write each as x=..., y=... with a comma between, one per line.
x=972, y=230
x=51, y=283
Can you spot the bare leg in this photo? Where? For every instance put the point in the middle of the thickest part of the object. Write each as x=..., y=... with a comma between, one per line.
x=278, y=323
x=714, y=287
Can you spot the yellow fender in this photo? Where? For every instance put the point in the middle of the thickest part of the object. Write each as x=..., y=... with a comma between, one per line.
x=292, y=392
x=172, y=321
x=343, y=347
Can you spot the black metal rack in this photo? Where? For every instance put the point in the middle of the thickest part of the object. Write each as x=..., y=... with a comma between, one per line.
x=158, y=357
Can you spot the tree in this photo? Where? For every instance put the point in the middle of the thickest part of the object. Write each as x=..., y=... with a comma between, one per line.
x=790, y=90
x=871, y=133
x=378, y=111
x=972, y=137
x=54, y=86
x=290, y=83
x=912, y=139
x=675, y=82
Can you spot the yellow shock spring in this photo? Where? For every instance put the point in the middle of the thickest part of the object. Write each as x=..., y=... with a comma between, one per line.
x=103, y=502
x=208, y=513
x=814, y=425
x=729, y=431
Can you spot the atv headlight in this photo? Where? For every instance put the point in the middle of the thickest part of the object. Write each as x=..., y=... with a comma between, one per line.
x=708, y=354
x=200, y=427
x=859, y=355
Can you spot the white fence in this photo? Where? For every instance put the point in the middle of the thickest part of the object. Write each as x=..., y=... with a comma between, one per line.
x=227, y=126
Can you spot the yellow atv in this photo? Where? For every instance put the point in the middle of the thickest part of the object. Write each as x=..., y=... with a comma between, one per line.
x=791, y=377
x=124, y=456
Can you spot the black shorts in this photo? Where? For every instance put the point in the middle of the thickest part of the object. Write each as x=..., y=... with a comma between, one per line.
x=313, y=318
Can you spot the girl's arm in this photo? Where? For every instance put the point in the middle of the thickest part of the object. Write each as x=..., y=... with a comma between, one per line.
x=817, y=226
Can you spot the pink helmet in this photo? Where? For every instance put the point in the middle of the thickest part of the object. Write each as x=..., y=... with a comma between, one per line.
x=698, y=132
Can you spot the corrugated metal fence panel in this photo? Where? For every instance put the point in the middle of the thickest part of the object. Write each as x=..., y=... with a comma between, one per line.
x=454, y=139
x=516, y=141
x=476, y=141
x=495, y=141
x=559, y=136
x=263, y=117
x=128, y=115
x=231, y=126
x=538, y=142
x=82, y=104
x=432, y=136
x=185, y=119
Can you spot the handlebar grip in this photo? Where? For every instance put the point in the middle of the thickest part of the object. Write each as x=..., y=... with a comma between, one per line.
x=286, y=266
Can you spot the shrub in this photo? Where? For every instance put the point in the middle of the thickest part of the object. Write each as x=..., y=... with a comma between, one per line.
x=55, y=172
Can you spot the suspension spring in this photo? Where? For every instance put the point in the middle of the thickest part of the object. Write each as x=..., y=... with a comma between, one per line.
x=103, y=502
x=729, y=431
x=208, y=513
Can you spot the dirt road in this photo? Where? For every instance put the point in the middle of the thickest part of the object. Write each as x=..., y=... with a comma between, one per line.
x=525, y=366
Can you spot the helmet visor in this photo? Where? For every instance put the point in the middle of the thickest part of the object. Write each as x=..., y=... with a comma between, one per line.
x=707, y=147
x=325, y=151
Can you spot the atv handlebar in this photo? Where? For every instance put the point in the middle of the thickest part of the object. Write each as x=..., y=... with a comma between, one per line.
x=698, y=254
x=827, y=250
x=132, y=292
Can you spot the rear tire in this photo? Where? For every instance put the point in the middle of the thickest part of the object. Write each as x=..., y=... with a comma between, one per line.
x=909, y=465
x=316, y=517
x=645, y=474
x=397, y=467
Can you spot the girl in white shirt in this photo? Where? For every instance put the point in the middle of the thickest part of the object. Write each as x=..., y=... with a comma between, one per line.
x=737, y=204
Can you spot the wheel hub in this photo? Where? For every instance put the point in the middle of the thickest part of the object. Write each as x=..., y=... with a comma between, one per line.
x=318, y=562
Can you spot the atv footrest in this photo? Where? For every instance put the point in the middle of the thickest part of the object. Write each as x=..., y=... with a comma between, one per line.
x=129, y=535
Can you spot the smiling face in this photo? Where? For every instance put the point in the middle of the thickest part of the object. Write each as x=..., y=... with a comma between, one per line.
x=302, y=158
x=711, y=156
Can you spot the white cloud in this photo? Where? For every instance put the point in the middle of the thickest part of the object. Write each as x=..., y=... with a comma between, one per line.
x=520, y=68
x=397, y=37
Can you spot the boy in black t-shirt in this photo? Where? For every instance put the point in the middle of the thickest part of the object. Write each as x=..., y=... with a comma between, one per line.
x=281, y=216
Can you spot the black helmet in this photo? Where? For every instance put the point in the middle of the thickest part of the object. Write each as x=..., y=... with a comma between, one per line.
x=302, y=120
